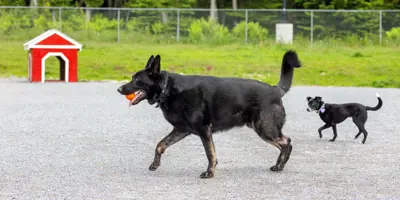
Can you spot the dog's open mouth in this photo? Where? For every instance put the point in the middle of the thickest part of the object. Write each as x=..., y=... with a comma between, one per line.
x=139, y=96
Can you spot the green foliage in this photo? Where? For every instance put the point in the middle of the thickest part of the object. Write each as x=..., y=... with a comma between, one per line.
x=393, y=34
x=256, y=33
x=93, y=3
x=100, y=23
x=74, y=22
x=6, y=22
x=12, y=2
x=161, y=4
x=208, y=30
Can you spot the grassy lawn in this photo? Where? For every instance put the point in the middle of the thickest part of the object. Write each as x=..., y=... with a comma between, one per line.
x=323, y=64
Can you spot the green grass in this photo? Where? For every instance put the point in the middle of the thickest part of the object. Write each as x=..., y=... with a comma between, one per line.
x=324, y=64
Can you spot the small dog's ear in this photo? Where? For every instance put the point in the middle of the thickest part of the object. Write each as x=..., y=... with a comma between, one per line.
x=318, y=98
x=149, y=61
x=308, y=98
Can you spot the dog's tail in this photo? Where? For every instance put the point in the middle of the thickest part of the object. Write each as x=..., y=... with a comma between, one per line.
x=377, y=107
x=289, y=62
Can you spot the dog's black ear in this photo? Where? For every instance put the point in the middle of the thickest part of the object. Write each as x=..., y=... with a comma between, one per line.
x=149, y=61
x=318, y=98
x=155, y=66
x=308, y=98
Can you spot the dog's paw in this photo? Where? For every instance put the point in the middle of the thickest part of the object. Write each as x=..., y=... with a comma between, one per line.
x=320, y=135
x=276, y=168
x=331, y=140
x=153, y=166
x=207, y=175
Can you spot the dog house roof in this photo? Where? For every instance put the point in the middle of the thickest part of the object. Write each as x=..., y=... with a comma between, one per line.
x=52, y=39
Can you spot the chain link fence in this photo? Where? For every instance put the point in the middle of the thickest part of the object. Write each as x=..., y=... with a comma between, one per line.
x=134, y=25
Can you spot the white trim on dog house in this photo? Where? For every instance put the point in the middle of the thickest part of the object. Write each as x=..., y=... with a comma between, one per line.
x=55, y=54
x=33, y=43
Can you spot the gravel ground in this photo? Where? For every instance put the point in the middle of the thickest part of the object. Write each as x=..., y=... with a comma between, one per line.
x=81, y=141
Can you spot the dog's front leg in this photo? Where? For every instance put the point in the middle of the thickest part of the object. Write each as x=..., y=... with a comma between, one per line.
x=166, y=142
x=323, y=128
x=208, y=144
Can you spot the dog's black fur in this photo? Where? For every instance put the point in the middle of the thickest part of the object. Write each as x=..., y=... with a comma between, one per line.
x=333, y=114
x=203, y=105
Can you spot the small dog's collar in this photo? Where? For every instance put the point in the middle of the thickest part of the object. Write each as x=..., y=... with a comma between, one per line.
x=322, y=109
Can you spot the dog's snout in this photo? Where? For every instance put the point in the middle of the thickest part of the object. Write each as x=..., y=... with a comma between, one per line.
x=120, y=89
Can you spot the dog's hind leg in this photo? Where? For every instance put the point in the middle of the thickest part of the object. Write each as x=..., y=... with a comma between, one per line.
x=323, y=128
x=208, y=144
x=365, y=135
x=361, y=129
x=166, y=142
x=334, y=133
x=358, y=134
x=270, y=132
x=359, y=121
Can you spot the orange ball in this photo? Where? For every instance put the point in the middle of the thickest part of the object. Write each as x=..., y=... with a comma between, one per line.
x=130, y=96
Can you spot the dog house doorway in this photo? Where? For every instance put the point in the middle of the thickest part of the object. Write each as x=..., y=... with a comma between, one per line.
x=55, y=68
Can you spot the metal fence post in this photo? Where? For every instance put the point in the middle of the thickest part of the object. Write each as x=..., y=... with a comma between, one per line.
x=380, y=27
x=118, y=32
x=177, y=24
x=312, y=27
x=59, y=17
x=246, y=32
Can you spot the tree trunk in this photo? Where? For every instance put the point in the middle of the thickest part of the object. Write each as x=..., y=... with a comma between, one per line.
x=213, y=12
x=234, y=4
x=164, y=17
x=88, y=16
x=34, y=3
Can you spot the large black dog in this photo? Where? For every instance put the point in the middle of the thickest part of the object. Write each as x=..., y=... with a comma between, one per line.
x=333, y=114
x=203, y=105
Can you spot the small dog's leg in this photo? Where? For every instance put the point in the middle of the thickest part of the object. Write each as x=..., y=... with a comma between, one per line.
x=166, y=142
x=334, y=133
x=323, y=128
x=208, y=144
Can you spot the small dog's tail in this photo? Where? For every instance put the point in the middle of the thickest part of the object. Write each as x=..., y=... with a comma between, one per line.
x=289, y=62
x=377, y=107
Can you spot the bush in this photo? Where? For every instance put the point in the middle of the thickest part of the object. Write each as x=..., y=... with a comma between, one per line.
x=208, y=32
x=394, y=34
x=100, y=23
x=74, y=22
x=6, y=22
x=256, y=33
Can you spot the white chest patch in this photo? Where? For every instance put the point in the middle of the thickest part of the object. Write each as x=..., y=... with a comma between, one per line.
x=322, y=109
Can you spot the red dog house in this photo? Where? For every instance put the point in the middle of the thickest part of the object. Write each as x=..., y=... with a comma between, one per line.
x=53, y=43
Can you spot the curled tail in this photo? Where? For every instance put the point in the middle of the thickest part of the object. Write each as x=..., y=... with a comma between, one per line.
x=289, y=62
x=377, y=107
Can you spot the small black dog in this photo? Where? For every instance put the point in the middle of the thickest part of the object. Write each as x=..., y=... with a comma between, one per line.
x=333, y=114
x=203, y=105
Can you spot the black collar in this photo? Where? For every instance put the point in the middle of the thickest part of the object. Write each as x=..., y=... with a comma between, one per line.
x=164, y=89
